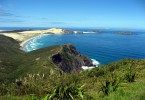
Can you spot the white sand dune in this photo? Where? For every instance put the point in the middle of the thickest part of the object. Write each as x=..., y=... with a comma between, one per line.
x=25, y=36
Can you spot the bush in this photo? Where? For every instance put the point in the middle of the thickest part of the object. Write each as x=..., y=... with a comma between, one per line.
x=110, y=84
x=130, y=74
x=3, y=89
x=67, y=87
x=67, y=92
x=96, y=72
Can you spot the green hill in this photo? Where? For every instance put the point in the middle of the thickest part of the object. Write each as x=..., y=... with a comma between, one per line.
x=54, y=73
x=61, y=58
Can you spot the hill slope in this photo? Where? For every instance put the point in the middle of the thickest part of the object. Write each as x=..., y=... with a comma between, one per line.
x=53, y=73
x=61, y=58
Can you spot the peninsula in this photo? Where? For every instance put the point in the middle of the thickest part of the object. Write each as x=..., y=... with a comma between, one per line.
x=23, y=36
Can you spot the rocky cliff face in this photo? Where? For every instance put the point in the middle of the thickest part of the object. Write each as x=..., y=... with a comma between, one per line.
x=69, y=59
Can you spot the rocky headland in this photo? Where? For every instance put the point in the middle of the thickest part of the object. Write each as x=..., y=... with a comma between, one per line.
x=57, y=59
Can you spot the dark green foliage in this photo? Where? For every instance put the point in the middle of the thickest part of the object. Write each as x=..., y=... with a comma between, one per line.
x=130, y=74
x=110, y=84
x=67, y=92
x=55, y=86
x=3, y=90
x=67, y=87
x=96, y=72
x=9, y=46
x=10, y=57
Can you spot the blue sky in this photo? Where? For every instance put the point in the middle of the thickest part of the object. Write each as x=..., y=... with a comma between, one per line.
x=73, y=13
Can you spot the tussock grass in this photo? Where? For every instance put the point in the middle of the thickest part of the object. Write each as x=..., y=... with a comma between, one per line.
x=105, y=82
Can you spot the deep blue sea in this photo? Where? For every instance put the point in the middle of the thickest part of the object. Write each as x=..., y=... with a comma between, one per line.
x=104, y=47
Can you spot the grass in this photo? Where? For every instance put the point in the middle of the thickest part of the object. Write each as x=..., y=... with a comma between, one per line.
x=110, y=85
x=67, y=92
x=133, y=91
x=33, y=76
x=130, y=74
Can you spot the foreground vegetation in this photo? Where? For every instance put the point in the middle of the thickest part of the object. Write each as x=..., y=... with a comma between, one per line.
x=33, y=76
x=116, y=81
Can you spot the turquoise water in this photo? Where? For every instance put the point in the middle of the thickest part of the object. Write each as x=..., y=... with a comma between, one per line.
x=104, y=47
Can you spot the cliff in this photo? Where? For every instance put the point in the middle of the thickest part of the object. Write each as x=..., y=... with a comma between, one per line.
x=69, y=59
x=57, y=59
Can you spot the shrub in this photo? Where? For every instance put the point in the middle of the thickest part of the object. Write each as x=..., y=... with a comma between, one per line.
x=67, y=87
x=130, y=74
x=32, y=84
x=96, y=72
x=3, y=89
x=110, y=84
x=67, y=92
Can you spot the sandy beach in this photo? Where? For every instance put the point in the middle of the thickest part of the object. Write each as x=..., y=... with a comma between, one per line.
x=25, y=36
x=24, y=42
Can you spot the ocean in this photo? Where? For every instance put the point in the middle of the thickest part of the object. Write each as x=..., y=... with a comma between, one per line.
x=104, y=47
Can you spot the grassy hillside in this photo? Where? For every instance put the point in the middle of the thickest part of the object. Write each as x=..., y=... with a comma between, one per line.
x=10, y=56
x=56, y=59
x=15, y=63
x=37, y=77
x=123, y=80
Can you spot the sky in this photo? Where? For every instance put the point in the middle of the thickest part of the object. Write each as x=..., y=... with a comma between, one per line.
x=73, y=13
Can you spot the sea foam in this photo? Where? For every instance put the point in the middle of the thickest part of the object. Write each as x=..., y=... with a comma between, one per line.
x=33, y=44
x=89, y=32
x=95, y=63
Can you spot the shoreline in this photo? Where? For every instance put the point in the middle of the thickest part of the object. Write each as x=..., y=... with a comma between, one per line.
x=24, y=42
x=23, y=38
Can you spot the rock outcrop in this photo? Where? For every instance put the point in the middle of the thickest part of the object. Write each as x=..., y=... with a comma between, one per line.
x=69, y=59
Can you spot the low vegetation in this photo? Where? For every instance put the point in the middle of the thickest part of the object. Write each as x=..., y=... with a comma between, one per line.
x=37, y=78
x=110, y=84
x=119, y=83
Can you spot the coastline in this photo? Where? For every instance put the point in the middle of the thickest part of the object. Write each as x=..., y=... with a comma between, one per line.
x=23, y=38
x=24, y=43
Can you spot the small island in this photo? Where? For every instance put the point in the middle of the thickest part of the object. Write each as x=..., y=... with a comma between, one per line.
x=124, y=32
